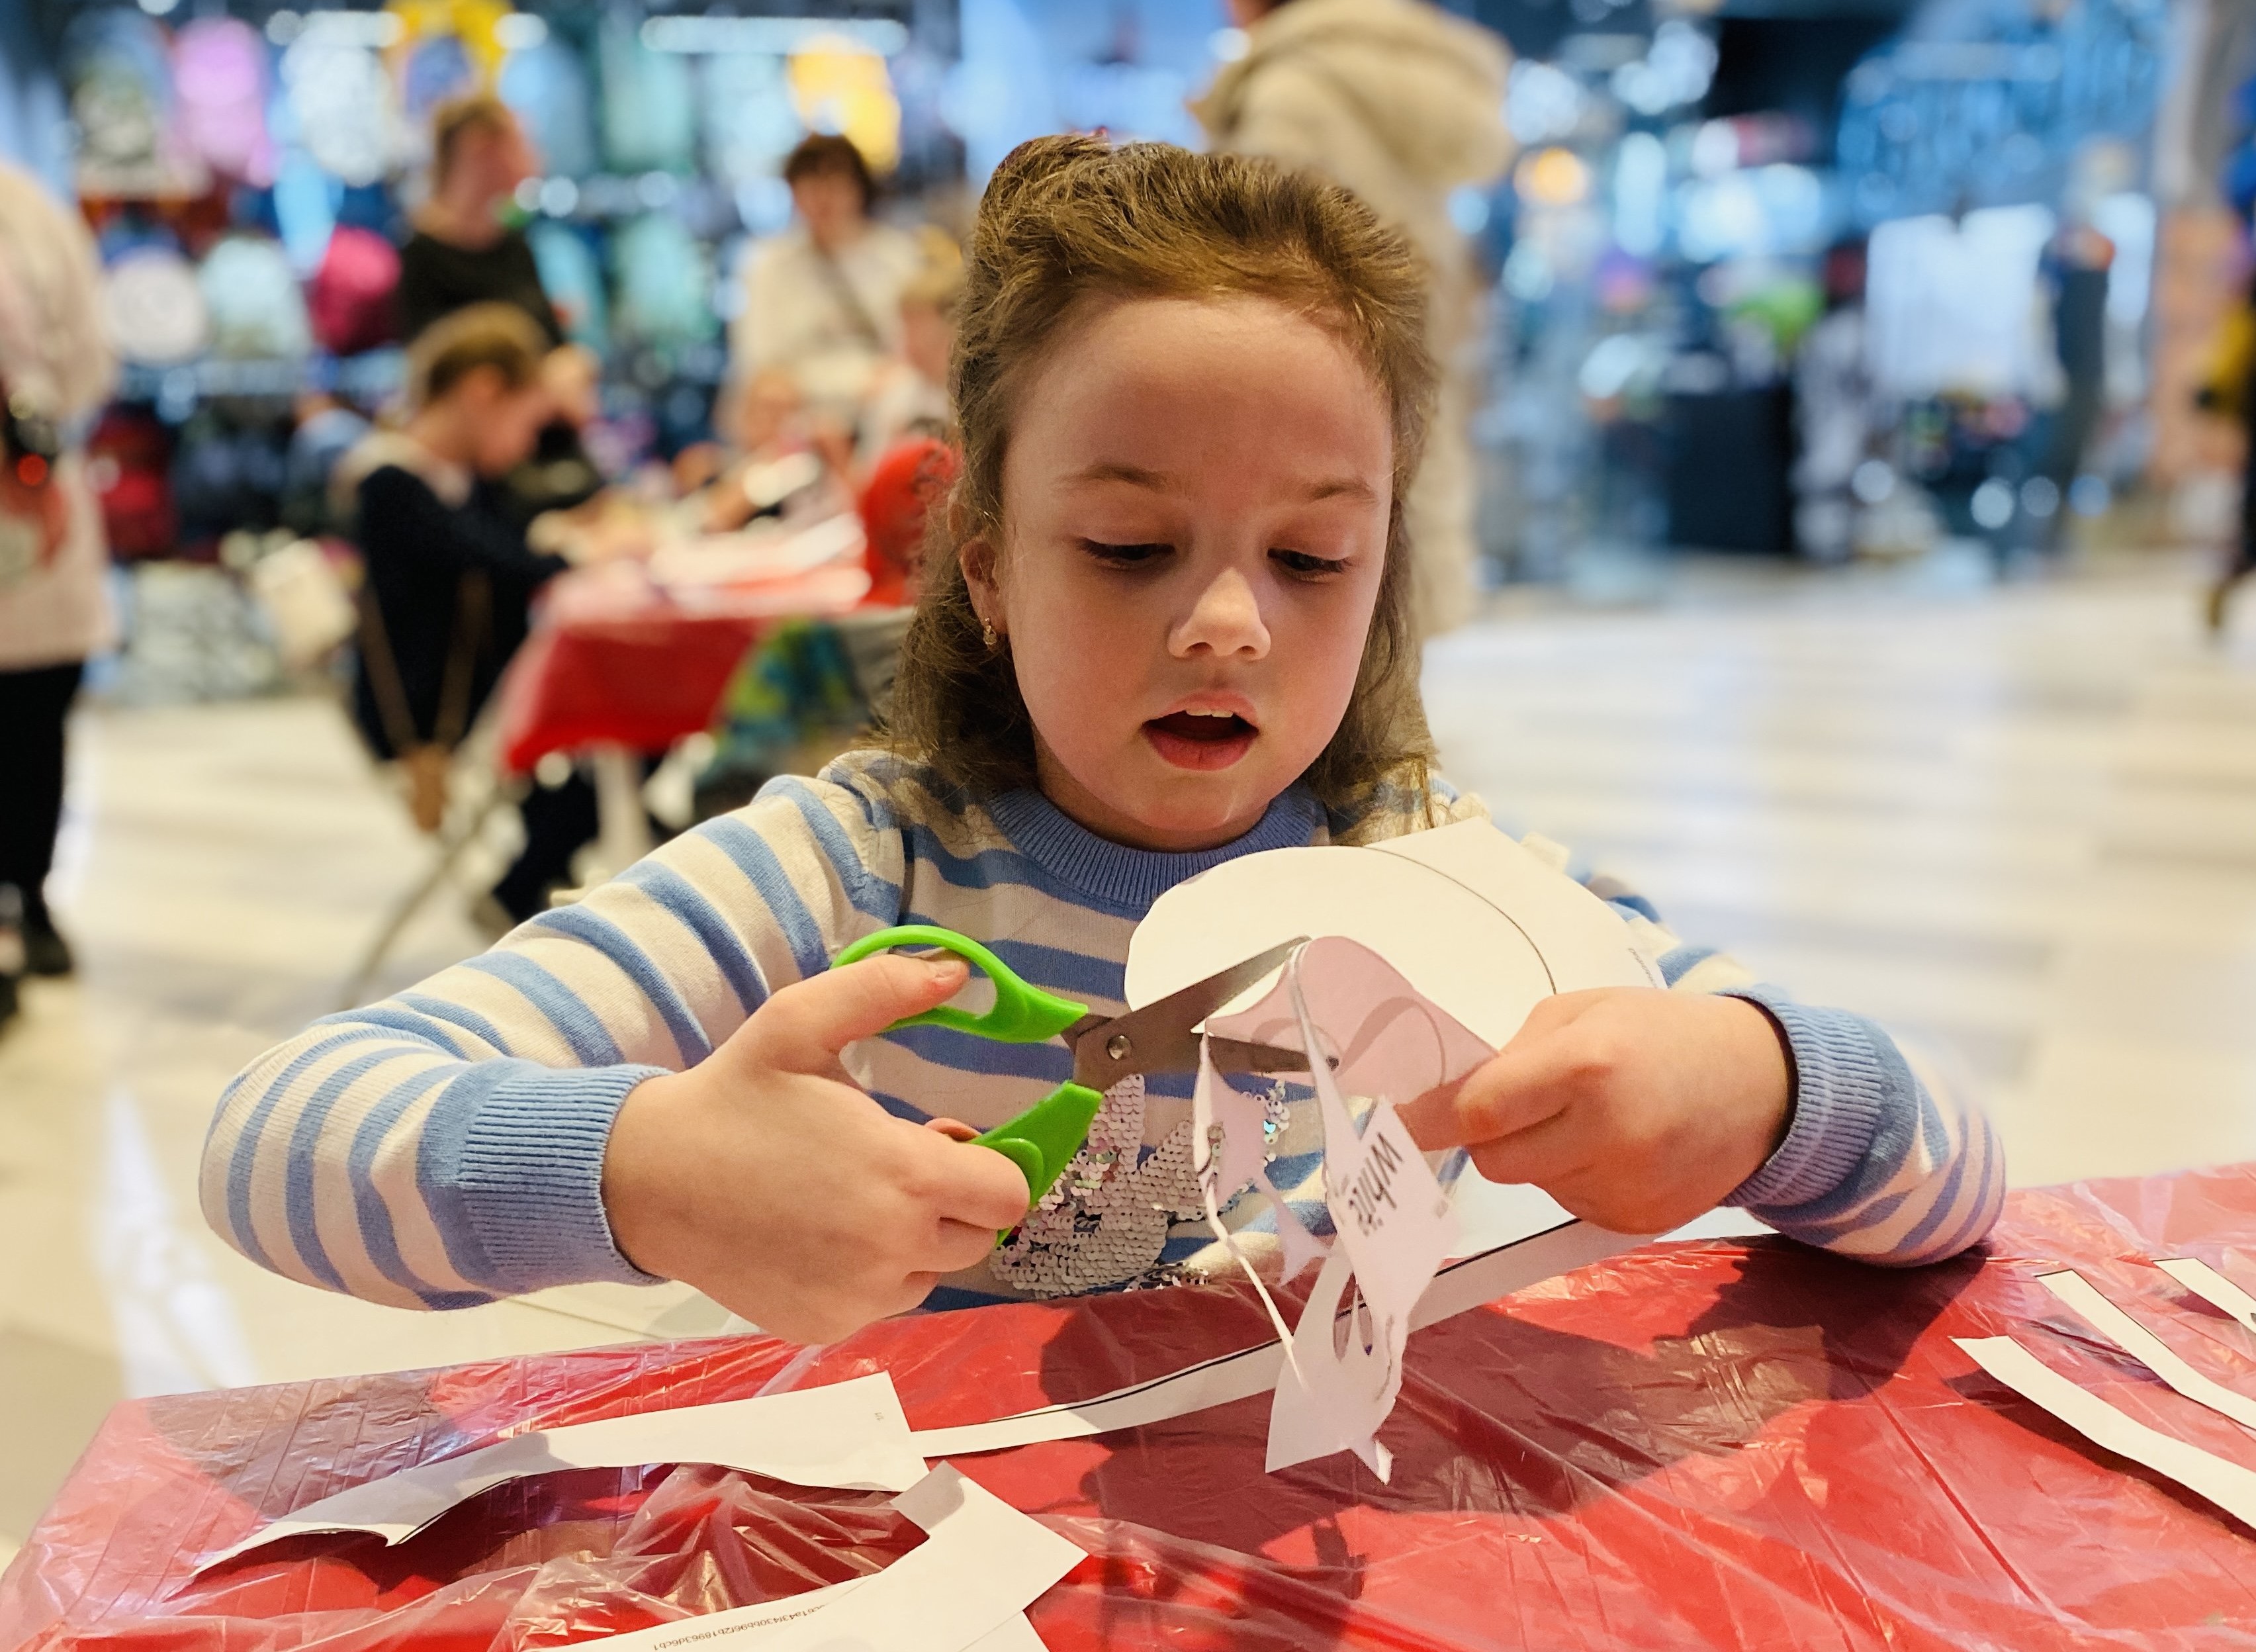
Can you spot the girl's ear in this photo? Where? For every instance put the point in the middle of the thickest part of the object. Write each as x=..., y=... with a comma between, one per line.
x=976, y=557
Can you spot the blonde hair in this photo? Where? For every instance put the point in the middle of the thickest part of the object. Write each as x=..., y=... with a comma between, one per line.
x=1067, y=219
x=457, y=119
x=939, y=281
x=500, y=336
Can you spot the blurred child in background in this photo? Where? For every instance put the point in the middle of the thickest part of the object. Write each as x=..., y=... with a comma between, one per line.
x=450, y=575
x=909, y=395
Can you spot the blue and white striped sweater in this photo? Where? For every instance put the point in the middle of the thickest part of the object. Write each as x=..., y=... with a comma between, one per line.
x=445, y=1146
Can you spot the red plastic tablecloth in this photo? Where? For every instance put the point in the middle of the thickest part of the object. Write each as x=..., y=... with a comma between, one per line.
x=1711, y=1444
x=612, y=660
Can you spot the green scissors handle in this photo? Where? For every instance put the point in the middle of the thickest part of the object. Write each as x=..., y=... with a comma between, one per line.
x=1041, y=1140
x=1022, y=1014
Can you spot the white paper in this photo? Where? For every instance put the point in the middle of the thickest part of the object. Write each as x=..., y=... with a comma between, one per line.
x=1459, y=1286
x=1394, y=1223
x=966, y=1586
x=2228, y=1486
x=1476, y=923
x=2146, y=1348
x=851, y=1434
x=2212, y=1288
x=1227, y=1134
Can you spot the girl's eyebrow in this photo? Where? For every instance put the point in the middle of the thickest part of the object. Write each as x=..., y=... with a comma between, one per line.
x=1160, y=482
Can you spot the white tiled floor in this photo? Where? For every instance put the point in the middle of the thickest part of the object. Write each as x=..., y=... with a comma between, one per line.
x=2021, y=825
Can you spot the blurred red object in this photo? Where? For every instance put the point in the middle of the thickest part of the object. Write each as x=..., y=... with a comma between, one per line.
x=129, y=459
x=1717, y=1445
x=348, y=300
x=613, y=660
x=908, y=480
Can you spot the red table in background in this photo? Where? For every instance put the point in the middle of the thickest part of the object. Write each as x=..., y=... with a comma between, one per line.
x=616, y=667
x=614, y=660
x=1704, y=1445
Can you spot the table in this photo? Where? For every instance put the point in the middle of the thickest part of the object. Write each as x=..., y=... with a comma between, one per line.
x=615, y=666
x=618, y=667
x=1740, y=1443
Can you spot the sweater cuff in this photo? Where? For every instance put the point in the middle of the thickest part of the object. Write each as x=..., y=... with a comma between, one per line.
x=529, y=1176
x=1844, y=1087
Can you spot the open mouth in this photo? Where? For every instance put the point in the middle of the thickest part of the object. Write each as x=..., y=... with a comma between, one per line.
x=1200, y=739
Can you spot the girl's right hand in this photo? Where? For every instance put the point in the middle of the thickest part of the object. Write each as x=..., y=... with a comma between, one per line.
x=766, y=1179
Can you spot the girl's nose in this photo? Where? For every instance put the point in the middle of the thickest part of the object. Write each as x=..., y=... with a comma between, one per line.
x=1226, y=620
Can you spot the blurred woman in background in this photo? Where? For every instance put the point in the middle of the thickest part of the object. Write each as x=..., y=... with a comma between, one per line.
x=55, y=370
x=465, y=251
x=823, y=301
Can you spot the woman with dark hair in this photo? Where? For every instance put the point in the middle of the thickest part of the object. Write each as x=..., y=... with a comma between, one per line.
x=823, y=301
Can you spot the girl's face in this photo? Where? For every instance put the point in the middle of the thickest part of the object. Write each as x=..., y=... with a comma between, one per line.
x=1195, y=500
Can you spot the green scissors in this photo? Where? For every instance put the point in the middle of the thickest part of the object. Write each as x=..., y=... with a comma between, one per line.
x=1162, y=1037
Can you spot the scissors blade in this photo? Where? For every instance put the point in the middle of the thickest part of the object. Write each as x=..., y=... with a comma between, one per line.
x=1162, y=1037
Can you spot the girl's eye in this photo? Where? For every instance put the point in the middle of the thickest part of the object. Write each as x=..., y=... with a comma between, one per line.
x=1123, y=556
x=1310, y=567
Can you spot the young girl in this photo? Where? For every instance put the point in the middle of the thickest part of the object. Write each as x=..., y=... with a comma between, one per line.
x=1164, y=624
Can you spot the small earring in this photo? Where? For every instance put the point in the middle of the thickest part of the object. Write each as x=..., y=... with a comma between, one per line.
x=987, y=633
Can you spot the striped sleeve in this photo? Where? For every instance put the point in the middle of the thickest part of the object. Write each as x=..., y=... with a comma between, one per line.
x=1883, y=1160
x=445, y=1146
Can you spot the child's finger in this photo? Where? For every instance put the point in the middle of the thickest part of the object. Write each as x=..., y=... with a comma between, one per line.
x=963, y=1246
x=1513, y=1091
x=803, y=1027
x=980, y=1188
x=1543, y=1154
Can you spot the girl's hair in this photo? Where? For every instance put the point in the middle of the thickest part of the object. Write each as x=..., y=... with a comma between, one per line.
x=497, y=335
x=1070, y=219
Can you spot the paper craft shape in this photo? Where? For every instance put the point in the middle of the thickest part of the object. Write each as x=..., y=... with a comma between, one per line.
x=1481, y=927
x=2228, y=1486
x=966, y=1586
x=1367, y=1032
x=2212, y=1288
x=2146, y=1348
x=1474, y=922
x=852, y=1434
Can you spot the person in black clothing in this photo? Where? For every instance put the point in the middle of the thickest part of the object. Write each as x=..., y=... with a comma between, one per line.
x=464, y=251
x=451, y=576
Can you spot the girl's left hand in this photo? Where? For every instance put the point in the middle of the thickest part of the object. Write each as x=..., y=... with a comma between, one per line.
x=1635, y=1108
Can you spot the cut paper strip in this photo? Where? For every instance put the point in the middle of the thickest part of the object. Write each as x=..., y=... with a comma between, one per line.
x=966, y=1586
x=2231, y=1487
x=1458, y=1287
x=2212, y=1288
x=1393, y=1221
x=851, y=1434
x=2146, y=1348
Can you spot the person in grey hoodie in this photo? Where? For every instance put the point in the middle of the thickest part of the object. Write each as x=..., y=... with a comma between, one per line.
x=1403, y=104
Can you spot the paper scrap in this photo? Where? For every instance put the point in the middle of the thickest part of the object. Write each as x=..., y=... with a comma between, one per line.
x=966, y=1586
x=852, y=1434
x=1227, y=1131
x=2231, y=1487
x=2146, y=1348
x=1459, y=1286
x=2212, y=1288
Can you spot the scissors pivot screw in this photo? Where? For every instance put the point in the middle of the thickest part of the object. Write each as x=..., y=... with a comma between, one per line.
x=1117, y=1047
